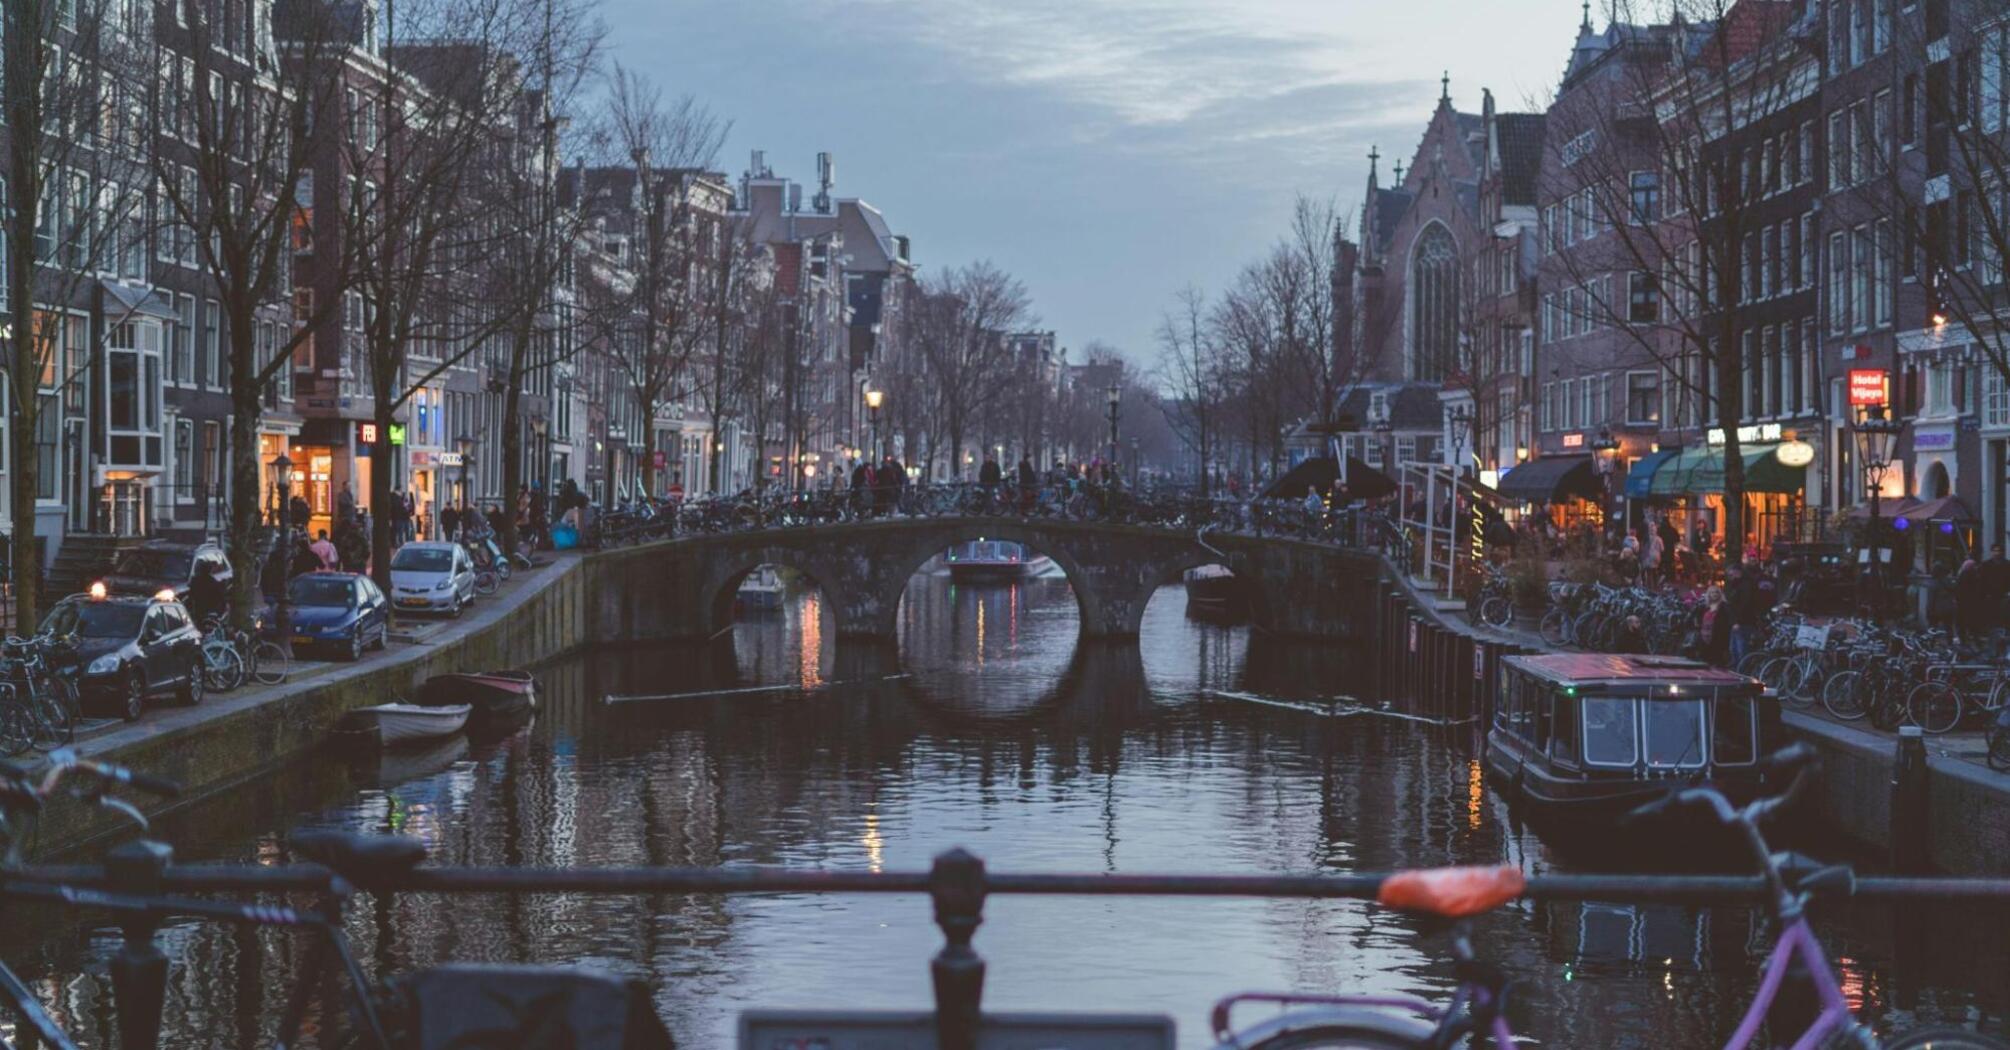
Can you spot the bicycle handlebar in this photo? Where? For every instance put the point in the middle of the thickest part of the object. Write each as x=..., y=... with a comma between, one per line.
x=63, y=763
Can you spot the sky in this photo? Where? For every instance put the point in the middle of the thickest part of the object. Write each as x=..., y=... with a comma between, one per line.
x=1106, y=152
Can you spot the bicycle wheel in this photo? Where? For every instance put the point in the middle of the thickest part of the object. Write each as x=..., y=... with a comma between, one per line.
x=1555, y=627
x=269, y=663
x=1998, y=694
x=1887, y=703
x=1842, y=695
x=1943, y=1039
x=1999, y=748
x=1808, y=678
x=1497, y=610
x=51, y=708
x=222, y=668
x=17, y=731
x=1934, y=706
x=485, y=582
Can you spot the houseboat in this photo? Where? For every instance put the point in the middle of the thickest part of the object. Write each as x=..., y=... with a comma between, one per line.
x=1579, y=740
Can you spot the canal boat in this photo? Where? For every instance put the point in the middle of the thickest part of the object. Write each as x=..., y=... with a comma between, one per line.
x=1212, y=593
x=761, y=591
x=983, y=559
x=401, y=723
x=1579, y=740
x=492, y=694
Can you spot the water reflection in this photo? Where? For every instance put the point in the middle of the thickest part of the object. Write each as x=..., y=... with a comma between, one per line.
x=1012, y=739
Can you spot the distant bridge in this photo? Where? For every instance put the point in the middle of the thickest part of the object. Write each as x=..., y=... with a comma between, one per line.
x=684, y=588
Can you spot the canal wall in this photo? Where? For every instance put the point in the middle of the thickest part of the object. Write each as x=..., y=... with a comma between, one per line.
x=1442, y=666
x=235, y=737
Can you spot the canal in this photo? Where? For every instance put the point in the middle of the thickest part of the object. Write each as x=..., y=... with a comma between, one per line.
x=993, y=730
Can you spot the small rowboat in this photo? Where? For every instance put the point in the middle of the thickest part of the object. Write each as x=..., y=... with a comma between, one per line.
x=492, y=694
x=403, y=723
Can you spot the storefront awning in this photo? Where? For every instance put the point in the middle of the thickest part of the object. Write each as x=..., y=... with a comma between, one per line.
x=1640, y=480
x=1700, y=470
x=1551, y=478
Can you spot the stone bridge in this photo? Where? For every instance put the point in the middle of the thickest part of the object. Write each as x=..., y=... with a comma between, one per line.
x=684, y=588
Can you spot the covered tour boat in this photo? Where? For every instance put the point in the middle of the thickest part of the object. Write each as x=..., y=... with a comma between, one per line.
x=1581, y=739
x=988, y=559
x=492, y=694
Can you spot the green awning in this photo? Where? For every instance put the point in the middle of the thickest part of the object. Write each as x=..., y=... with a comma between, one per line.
x=1699, y=470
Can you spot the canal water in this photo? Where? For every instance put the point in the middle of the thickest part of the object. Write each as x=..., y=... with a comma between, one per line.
x=994, y=730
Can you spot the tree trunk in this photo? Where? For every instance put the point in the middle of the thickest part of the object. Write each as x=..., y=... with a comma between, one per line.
x=380, y=494
x=245, y=491
x=512, y=432
x=21, y=484
x=647, y=474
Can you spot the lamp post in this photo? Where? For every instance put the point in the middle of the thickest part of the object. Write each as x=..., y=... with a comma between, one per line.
x=282, y=615
x=1876, y=437
x=1384, y=430
x=1116, y=395
x=872, y=399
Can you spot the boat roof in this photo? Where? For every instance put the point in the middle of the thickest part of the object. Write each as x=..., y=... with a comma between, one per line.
x=1607, y=668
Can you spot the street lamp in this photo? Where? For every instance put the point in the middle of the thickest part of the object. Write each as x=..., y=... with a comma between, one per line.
x=1116, y=395
x=1384, y=430
x=282, y=480
x=1461, y=419
x=872, y=399
x=1876, y=438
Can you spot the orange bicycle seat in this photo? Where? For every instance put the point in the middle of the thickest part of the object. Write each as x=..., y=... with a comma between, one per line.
x=1454, y=893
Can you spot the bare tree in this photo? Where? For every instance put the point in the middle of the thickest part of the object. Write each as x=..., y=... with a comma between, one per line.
x=74, y=104
x=1668, y=260
x=667, y=311
x=1192, y=372
x=965, y=313
x=741, y=273
x=232, y=169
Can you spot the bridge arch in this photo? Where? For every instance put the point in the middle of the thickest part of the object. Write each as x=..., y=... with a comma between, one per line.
x=725, y=574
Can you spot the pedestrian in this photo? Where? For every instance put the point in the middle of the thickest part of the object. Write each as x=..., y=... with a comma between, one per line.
x=207, y=595
x=988, y=475
x=324, y=551
x=1716, y=627
x=1971, y=601
x=889, y=479
x=305, y=559
x=297, y=509
x=345, y=505
x=1652, y=557
x=1631, y=638
x=540, y=520
x=1671, y=538
x=1741, y=595
x=450, y=522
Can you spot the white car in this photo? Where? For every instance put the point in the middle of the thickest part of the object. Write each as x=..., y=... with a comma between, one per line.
x=432, y=577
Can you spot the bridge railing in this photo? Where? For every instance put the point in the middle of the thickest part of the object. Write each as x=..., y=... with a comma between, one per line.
x=958, y=882
x=1182, y=511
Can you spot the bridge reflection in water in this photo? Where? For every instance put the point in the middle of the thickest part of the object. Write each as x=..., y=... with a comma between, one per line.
x=1036, y=752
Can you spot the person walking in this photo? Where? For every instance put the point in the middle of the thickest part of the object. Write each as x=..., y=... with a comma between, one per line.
x=1716, y=628
x=450, y=522
x=540, y=518
x=1671, y=538
x=889, y=479
x=305, y=559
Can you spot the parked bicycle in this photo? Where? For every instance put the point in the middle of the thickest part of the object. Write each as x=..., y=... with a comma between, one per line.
x=1477, y=1009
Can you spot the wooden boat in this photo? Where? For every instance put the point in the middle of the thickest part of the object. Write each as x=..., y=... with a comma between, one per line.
x=987, y=559
x=1579, y=740
x=761, y=591
x=492, y=694
x=400, y=723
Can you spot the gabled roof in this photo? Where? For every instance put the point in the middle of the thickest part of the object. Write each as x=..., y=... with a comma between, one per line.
x=1520, y=137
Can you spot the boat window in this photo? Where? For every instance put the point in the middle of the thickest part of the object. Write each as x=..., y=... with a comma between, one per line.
x=1674, y=733
x=1734, y=738
x=1539, y=704
x=1611, y=737
x=1563, y=745
x=1504, y=703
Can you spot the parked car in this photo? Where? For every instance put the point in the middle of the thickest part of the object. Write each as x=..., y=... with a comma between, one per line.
x=131, y=649
x=161, y=565
x=343, y=611
x=432, y=577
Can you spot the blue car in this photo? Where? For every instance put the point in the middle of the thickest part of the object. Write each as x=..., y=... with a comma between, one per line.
x=343, y=611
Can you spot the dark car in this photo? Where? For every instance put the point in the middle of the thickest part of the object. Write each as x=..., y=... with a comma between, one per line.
x=159, y=565
x=343, y=611
x=130, y=649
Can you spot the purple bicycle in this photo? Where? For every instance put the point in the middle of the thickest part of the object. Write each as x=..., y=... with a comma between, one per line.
x=1477, y=1009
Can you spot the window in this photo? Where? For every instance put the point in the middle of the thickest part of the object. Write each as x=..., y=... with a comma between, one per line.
x=184, y=458
x=1838, y=291
x=1769, y=254
x=1643, y=398
x=1645, y=189
x=1860, y=285
x=181, y=349
x=1674, y=732
x=212, y=345
x=1810, y=243
x=1882, y=273
x=1839, y=150
x=1643, y=297
x=1610, y=732
x=1995, y=399
x=1880, y=110
x=1734, y=731
x=1435, y=300
x=1806, y=141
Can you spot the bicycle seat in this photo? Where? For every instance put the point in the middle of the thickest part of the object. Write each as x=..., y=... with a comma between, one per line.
x=360, y=858
x=1453, y=893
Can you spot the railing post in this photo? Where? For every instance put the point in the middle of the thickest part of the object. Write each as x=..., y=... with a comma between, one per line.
x=956, y=882
x=139, y=971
